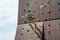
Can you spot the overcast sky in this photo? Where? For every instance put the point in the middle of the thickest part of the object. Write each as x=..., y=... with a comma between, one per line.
x=8, y=19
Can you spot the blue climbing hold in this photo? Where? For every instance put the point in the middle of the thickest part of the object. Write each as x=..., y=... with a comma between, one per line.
x=59, y=9
x=28, y=30
x=24, y=21
x=58, y=3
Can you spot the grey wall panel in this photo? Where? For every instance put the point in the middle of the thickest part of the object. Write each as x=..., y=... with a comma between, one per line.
x=53, y=35
x=55, y=13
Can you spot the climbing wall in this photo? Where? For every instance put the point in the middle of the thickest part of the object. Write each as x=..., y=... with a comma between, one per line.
x=24, y=32
x=46, y=9
x=43, y=10
x=52, y=32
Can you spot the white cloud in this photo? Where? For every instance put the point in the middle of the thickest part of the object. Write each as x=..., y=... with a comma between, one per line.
x=8, y=20
x=8, y=11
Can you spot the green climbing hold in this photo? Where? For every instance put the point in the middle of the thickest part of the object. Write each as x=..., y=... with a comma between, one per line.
x=28, y=30
x=30, y=16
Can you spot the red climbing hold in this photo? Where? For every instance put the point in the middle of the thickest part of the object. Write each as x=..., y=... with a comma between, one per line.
x=45, y=18
x=49, y=24
x=49, y=11
x=49, y=31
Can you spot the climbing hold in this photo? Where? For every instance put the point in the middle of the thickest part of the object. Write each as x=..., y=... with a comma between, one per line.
x=45, y=18
x=41, y=13
x=41, y=6
x=44, y=6
x=49, y=24
x=28, y=30
x=59, y=9
x=24, y=10
x=38, y=19
x=25, y=21
x=49, y=31
x=22, y=28
x=48, y=2
x=35, y=2
x=41, y=25
x=58, y=3
x=22, y=34
x=29, y=11
x=27, y=4
x=49, y=11
x=33, y=16
x=22, y=16
x=59, y=23
x=29, y=16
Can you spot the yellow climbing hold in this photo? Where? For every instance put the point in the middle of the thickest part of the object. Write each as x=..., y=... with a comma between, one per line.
x=41, y=25
x=33, y=16
x=41, y=6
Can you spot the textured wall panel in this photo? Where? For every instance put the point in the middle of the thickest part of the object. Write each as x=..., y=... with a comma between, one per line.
x=26, y=5
x=25, y=32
